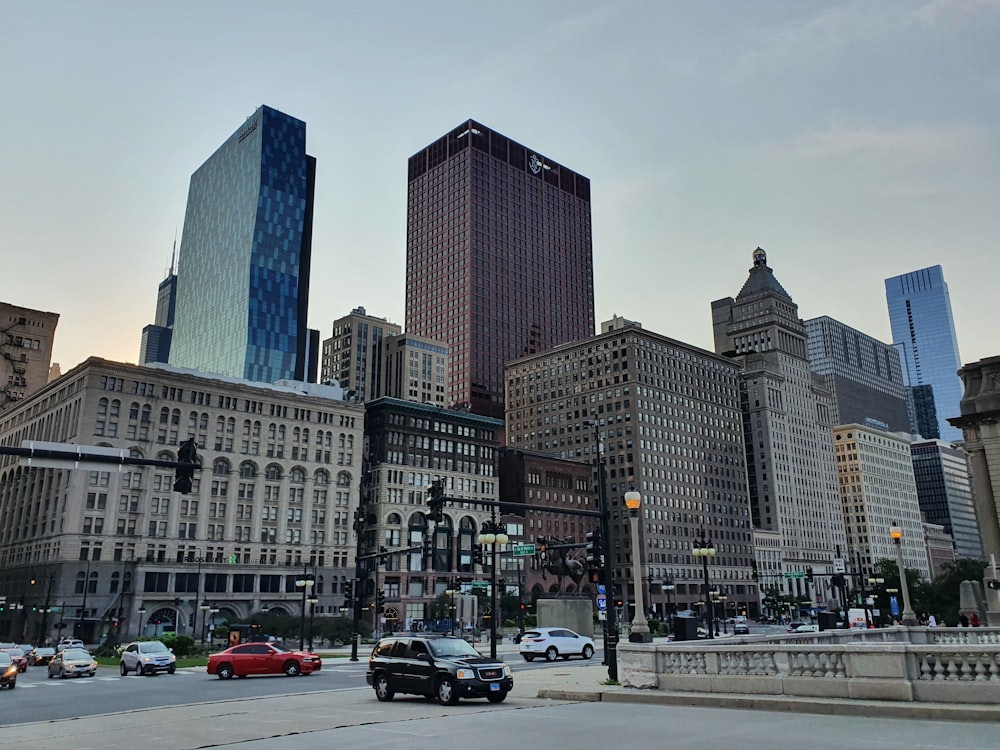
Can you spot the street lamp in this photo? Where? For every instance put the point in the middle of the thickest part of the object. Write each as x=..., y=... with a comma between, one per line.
x=313, y=601
x=640, y=628
x=720, y=599
x=668, y=586
x=212, y=612
x=909, y=616
x=205, y=609
x=704, y=549
x=83, y=609
x=607, y=534
x=493, y=534
x=305, y=583
x=142, y=612
x=452, y=611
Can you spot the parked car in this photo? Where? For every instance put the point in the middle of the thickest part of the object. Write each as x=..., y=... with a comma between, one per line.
x=19, y=658
x=555, y=643
x=741, y=628
x=793, y=625
x=40, y=655
x=262, y=658
x=147, y=657
x=806, y=629
x=436, y=666
x=72, y=662
x=8, y=671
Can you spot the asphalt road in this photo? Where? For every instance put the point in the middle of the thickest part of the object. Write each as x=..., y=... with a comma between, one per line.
x=37, y=698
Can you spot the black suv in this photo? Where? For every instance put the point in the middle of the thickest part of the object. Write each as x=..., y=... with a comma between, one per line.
x=436, y=666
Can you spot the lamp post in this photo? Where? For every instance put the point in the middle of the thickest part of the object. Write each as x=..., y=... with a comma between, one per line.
x=493, y=534
x=668, y=586
x=305, y=583
x=205, y=608
x=212, y=612
x=720, y=599
x=909, y=616
x=607, y=533
x=46, y=608
x=874, y=582
x=640, y=628
x=452, y=611
x=313, y=601
x=704, y=549
x=141, y=611
x=83, y=608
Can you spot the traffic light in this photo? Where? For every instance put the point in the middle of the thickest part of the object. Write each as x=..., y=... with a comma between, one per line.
x=187, y=456
x=380, y=599
x=383, y=556
x=809, y=574
x=595, y=553
x=349, y=593
x=428, y=546
x=477, y=554
x=435, y=501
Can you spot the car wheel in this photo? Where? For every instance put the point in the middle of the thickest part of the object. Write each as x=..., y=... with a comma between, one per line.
x=551, y=653
x=122, y=669
x=528, y=658
x=51, y=675
x=383, y=691
x=12, y=684
x=446, y=693
x=140, y=670
x=225, y=671
x=292, y=668
x=496, y=697
x=171, y=670
x=588, y=651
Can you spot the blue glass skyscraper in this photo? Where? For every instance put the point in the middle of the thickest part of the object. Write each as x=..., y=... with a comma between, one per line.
x=924, y=331
x=243, y=274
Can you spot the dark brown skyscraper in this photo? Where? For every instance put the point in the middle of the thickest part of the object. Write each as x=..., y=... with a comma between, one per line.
x=499, y=257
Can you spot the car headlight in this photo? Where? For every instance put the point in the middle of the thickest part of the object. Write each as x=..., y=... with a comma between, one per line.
x=12, y=669
x=506, y=670
x=466, y=674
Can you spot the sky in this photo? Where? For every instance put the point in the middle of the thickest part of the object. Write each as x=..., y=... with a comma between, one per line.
x=853, y=141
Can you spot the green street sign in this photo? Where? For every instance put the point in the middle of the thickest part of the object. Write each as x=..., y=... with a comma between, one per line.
x=523, y=550
x=798, y=574
x=480, y=584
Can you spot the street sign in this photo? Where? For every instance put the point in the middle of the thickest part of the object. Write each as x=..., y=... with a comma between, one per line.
x=602, y=602
x=601, y=589
x=795, y=574
x=480, y=584
x=839, y=565
x=523, y=550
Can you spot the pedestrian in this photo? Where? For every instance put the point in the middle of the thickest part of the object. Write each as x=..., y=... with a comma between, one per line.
x=931, y=621
x=963, y=620
x=974, y=620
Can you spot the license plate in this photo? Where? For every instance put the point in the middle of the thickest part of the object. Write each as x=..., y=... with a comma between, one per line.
x=494, y=686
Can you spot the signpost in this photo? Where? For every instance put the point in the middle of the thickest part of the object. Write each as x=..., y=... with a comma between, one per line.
x=480, y=584
x=795, y=574
x=523, y=550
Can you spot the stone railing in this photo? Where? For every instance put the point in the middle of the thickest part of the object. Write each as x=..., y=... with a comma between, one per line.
x=947, y=665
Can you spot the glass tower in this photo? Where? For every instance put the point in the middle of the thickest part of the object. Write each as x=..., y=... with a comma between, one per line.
x=923, y=329
x=243, y=274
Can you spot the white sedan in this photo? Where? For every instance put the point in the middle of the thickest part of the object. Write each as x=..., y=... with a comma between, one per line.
x=555, y=643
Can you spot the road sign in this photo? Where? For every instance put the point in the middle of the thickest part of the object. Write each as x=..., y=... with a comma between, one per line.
x=795, y=574
x=601, y=589
x=602, y=602
x=839, y=565
x=523, y=550
x=480, y=584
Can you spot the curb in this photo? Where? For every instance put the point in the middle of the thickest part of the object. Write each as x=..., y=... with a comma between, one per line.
x=829, y=707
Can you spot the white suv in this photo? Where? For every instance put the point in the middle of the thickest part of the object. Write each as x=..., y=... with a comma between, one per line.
x=147, y=657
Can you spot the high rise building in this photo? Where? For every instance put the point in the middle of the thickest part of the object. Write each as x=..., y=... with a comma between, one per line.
x=499, y=257
x=788, y=415
x=155, y=345
x=665, y=416
x=243, y=274
x=355, y=354
x=416, y=369
x=863, y=373
x=878, y=491
x=280, y=477
x=941, y=471
x=922, y=325
x=26, y=338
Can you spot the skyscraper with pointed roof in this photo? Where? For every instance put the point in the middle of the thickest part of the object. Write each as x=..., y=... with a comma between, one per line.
x=788, y=419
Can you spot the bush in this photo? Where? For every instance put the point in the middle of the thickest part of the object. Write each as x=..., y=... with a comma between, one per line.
x=181, y=645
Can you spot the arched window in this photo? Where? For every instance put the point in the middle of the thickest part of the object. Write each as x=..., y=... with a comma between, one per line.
x=321, y=477
x=297, y=475
x=248, y=470
x=164, y=415
x=220, y=466
x=394, y=519
x=273, y=472
x=344, y=479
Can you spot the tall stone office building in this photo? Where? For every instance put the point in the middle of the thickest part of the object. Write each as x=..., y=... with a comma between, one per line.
x=416, y=369
x=924, y=329
x=113, y=551
x=863, y=374
x=355, y=354
x=788, y=418
x=26, y=338
x=243, y=274
x=499, y=257
x=665, y=416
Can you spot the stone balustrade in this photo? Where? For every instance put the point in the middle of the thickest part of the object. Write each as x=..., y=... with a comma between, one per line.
x=946, y=665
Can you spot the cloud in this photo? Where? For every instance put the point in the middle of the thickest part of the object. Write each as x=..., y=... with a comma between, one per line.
x=953, y=12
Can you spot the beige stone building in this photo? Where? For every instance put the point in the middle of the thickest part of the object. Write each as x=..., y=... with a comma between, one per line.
x=102, y=551
x=415, y=369
x=355, y=354
x=26, y=338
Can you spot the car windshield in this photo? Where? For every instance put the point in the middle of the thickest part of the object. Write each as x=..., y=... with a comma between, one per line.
x=76, y=653
x=153, y=647
x=45, y=651
x=15, y=652
x=451, y=647
x=5, y=660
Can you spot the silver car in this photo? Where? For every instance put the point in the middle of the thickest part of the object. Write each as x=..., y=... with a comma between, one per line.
x=555, y=643
x=72, y=662
x=147, y=657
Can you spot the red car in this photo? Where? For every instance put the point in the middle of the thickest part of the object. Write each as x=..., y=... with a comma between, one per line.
x=262, y=658
x=19, y=658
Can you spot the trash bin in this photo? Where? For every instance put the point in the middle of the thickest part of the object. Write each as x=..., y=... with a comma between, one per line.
x=828, y=620
x=685, y=629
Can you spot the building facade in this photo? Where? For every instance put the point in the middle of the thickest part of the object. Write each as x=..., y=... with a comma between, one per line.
x=923, y=327
x=787, y=415
x=155, y=344
x=354, y=355
x=940, y=548
x=115, y=551
x=499, y=257
x=26, y=338
x=863, y=374
x=409, y=445
x=416, y=369
x=664, y=416
x=875, y=474
x=243, y=273
x=941, y=471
